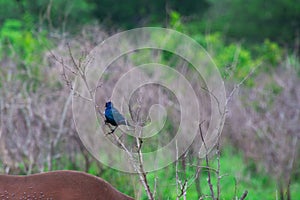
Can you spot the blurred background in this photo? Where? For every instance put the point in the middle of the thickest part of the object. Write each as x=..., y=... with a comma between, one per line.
x=259, y=144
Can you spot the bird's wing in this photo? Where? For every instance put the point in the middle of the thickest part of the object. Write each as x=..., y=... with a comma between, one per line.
x=117, y=116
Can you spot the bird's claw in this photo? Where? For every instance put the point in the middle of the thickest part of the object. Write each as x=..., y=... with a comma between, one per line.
x=112, y=130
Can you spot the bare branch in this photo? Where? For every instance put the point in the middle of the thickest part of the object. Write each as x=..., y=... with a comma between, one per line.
x=244, y=195
x=207, y=164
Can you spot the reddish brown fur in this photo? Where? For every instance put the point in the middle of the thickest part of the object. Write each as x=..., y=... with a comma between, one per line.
x=58, y=185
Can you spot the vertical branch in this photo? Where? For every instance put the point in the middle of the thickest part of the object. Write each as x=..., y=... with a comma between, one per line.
x=207, y=164
x=50, y=157
x=218, y=169
x=244, y=195
x=181, y=186
x=155, y=186
x=197, y=179
x=235, y=189
x=176, y=171
x=142, y=173
x=48, y=15
x=137, y=164
x=184, y=189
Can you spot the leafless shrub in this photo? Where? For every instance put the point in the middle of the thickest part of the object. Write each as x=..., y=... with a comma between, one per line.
x=264, y=123
x=36, y=124
x=32, y=123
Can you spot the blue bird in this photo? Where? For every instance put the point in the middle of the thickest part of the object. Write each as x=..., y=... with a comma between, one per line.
x=113, y=116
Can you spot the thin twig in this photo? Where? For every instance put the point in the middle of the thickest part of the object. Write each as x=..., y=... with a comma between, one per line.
x=62, y=120
x=181, y=188
x=218, y=169
x=176, y=171
x=235, y=189
x=142, y=173
x=207, y=163
x=236, y=87
x=244, y=195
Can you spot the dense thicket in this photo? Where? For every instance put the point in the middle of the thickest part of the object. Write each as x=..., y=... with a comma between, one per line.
x=257, y=20
x=144, y=12
x=249, y=20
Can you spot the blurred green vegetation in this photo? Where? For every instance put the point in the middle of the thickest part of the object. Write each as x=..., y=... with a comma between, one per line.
x=47, y=14
x=25, y=49
x=236, y=178
x=251, y=21
x=257, y=20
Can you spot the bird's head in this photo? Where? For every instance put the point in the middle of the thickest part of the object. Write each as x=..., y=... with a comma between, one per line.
x=108, y=104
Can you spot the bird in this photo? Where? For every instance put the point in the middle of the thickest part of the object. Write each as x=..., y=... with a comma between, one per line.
x=113, y=116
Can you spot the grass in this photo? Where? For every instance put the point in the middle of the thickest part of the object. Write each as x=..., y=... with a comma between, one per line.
x=236, y=174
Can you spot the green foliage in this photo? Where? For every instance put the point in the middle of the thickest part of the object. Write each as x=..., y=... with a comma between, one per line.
x=8, y=9
x=293, y=61
x=10, y=32
x=67, y=13
x=25, y=49
x=237, y=174
x=270, y=53
x=94, y=169
x=252, y=20
x=22, y=169
x=175, y=21
x=256, y=20
x=137, y=13
x=51, y=14
x=233, y=60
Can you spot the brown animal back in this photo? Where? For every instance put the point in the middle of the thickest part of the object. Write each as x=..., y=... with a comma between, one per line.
x=58, y=185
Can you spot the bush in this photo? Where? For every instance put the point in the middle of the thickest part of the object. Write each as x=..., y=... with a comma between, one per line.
x=25, y=49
